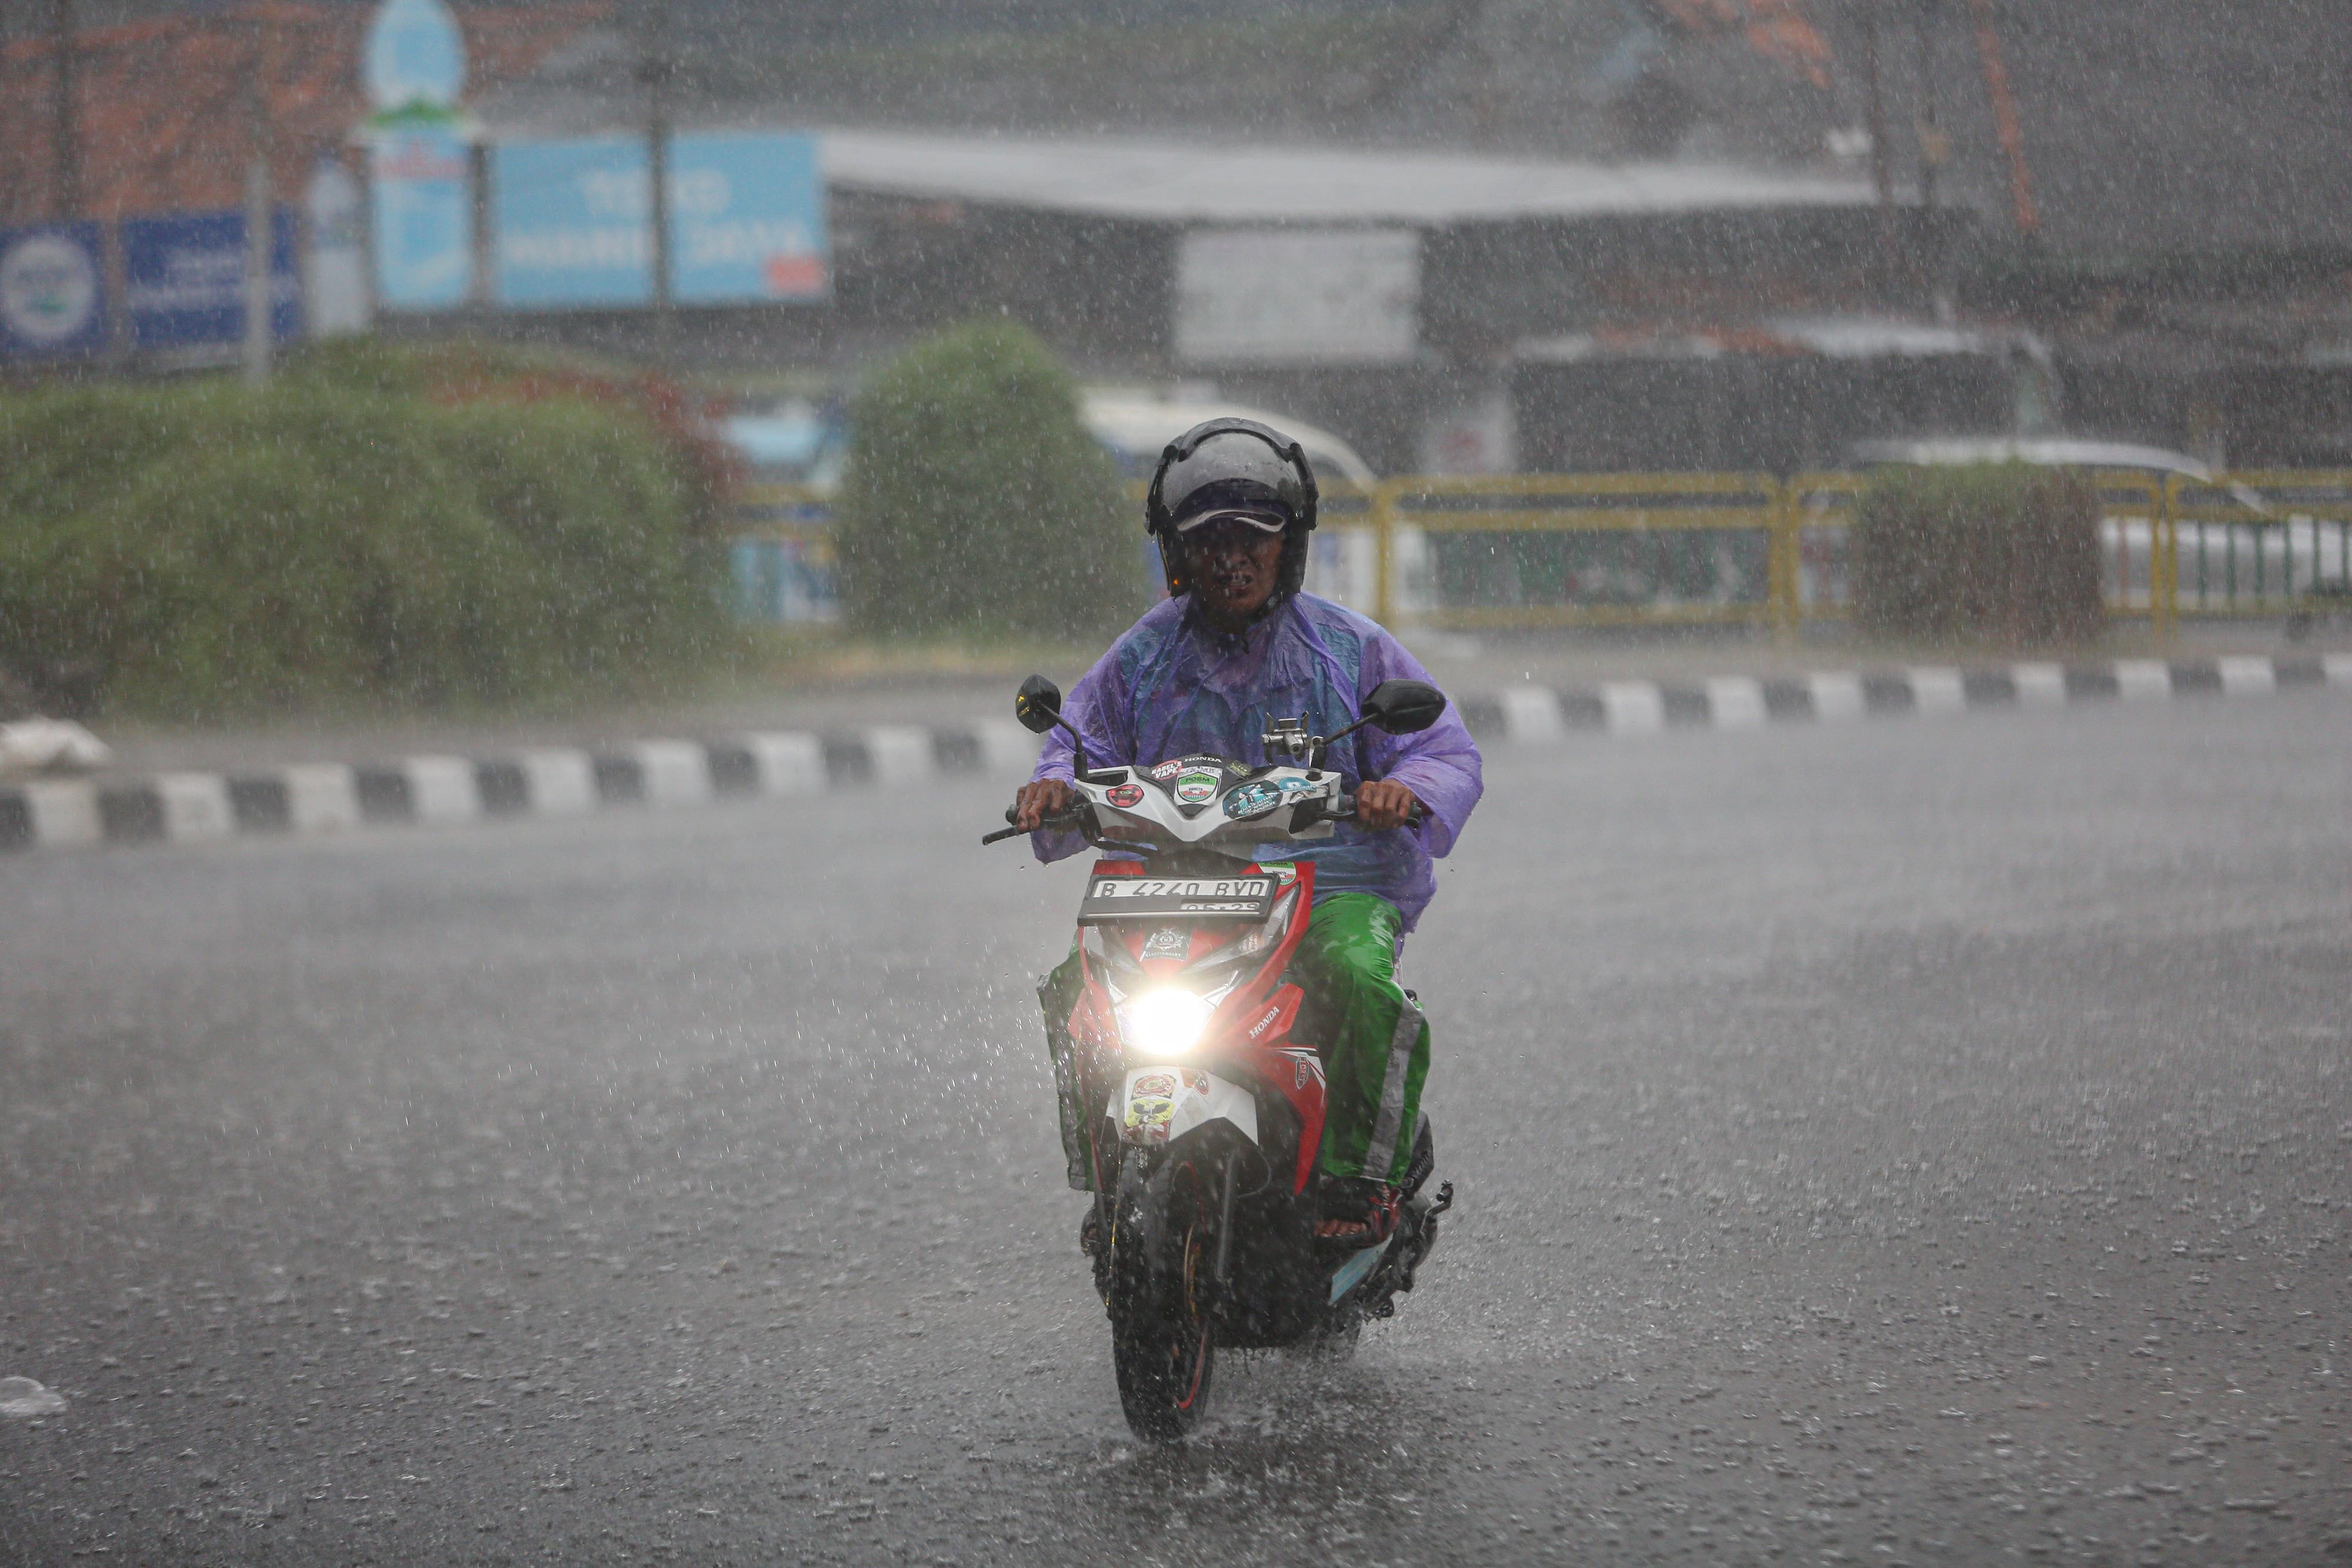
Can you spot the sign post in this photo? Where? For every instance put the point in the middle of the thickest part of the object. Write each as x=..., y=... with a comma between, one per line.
x=259, y=271
x=420, y=172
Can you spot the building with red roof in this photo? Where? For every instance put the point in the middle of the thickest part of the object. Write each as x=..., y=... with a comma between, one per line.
x=161, y=110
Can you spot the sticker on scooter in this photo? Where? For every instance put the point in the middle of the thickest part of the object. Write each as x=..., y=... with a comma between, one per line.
x=1168, y=942
x=1125, y=795
x=1160, y=1104
x=1251, y=799
x=1306, y=1067
x=1196, y=789
x=1150, y=1106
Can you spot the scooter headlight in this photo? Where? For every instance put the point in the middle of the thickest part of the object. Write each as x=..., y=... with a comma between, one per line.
x=1168, y=1021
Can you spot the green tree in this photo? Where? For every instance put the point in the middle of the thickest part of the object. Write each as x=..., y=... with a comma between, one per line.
x=975, y=501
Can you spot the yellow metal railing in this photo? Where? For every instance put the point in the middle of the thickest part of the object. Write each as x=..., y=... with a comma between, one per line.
x=1595, y=549
x=1809, y=547
x=1663, y=550
x=2258, y=543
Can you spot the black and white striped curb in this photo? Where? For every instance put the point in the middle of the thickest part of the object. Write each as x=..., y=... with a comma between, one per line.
x=185, y=808
x=1535, y=713
x=190, y=808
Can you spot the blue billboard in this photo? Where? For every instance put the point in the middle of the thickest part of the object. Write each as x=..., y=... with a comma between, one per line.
x=421, y=188
x=747, y=218
x=183, y=280
x=570, y=218
x=52, y=292
x=747, y=221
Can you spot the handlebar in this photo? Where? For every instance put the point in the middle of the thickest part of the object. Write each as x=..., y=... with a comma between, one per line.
x=1346, y=813
x=1048, y=824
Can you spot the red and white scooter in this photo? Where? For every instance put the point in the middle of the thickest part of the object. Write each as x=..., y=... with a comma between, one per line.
x=1211, y=1112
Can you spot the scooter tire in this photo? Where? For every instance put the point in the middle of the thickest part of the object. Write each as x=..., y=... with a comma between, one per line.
x=1162, y=1250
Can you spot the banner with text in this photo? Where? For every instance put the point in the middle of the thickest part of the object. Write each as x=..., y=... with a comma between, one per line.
x=183, y=280
x=421, y=186
x=571, y=219
x=1298, y=296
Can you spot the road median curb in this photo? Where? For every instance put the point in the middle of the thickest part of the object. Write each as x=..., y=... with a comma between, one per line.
x=544, y=781
x=1540, y=713
x=573, y=781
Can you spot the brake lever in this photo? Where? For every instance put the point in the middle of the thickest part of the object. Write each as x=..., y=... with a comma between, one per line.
x=1050, y=824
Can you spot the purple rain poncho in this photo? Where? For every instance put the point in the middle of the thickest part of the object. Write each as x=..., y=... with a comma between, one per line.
x=1173, y=687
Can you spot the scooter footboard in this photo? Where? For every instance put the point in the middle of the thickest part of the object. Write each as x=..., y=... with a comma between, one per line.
x=1160, y=1105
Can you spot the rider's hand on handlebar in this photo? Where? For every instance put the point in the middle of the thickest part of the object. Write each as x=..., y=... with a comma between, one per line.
x=1383, y=803
x=1038, y=800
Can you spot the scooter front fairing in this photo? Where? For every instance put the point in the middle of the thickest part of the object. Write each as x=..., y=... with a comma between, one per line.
x=1196, y=1011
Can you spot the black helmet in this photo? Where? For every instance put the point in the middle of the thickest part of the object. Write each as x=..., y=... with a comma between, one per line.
x=1231, y=468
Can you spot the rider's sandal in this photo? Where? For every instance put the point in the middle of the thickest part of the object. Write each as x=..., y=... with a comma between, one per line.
x=1366, y=1210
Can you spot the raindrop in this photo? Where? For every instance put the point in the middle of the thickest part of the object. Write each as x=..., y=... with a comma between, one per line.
x=21, y=1396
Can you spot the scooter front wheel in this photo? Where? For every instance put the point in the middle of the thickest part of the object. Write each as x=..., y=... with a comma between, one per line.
x=1163, y=1250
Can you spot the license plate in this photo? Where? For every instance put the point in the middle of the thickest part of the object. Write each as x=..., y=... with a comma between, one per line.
x=1162, y=897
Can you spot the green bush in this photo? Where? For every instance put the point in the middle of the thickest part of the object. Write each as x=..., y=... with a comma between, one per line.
x=1998, y=552
x=200, y=549
x=975, y=502
x=472, y=370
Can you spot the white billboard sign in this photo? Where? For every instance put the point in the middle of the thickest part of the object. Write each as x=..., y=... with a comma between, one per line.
x=1298, y=296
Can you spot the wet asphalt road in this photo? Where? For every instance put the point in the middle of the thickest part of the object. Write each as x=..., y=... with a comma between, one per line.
x=1917, y=1142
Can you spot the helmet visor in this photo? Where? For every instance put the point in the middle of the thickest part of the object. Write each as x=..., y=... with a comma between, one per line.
x=1265, y=522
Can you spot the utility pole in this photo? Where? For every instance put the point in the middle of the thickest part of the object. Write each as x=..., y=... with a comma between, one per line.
x=1935, y=146
x=1881, y=168
x=654, y=66
x=64, y=128
x=260, y=230
x=1935, y=151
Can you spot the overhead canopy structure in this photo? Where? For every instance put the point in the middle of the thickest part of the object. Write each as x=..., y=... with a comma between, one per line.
x=1178, y=181
x=1827, y=336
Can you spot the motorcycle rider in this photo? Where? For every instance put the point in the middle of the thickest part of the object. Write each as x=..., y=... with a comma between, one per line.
x=1236, y=645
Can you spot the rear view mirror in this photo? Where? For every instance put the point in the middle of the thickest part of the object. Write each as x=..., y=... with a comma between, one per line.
x=1038, y=704
x=1404, y=708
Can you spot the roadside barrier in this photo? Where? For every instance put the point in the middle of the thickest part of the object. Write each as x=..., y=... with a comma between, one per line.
x=2267, y=543
x=1590, y=549
x=1527, y=550
x=186, y=808
x=450, y=791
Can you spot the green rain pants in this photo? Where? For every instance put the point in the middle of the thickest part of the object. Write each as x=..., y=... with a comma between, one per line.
x=1374, y=1041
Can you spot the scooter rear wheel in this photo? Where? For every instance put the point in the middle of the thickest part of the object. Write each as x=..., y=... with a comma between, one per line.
x=1162, y=1249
